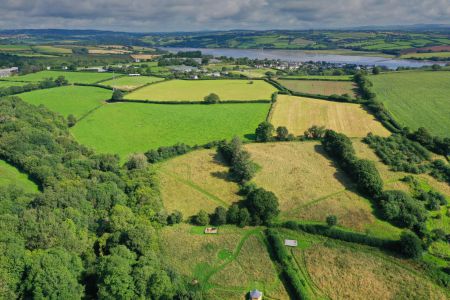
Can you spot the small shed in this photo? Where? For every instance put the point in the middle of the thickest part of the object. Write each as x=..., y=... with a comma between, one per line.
x=255, y=295
x=290, y=243
x=211, y=230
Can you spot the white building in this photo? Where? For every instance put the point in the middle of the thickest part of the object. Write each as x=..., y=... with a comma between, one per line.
x=8, y=72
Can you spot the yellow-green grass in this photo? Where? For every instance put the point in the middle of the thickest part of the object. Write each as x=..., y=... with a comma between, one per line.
x=51, y=50
x=320, y=77
x=416, y=99
x=319, y=87
x=126, y=128
x=444, y=54
x=309, y=187
x=300, y=113
x=197, y=180
x=75, y=100
x=9, y=175
x=128, y=83
x=72, y=77
x=6, y=84
x=227, y=265
x=196, y=90
x=14, y=48
x=254, y=73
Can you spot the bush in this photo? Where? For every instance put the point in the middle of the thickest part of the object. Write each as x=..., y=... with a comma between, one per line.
x=212, y=98
x=137, y=161
x=175, y=218
x=71, y=120
x=315, y=132
x=262, y=205
x=282, y=133
x=331, y=220
x=117, y=95
x=367, y=177
x=163, y=153
x=219, y=217
x=410, y=245
x=202, y=218
x=264, y=132
x=241, y=167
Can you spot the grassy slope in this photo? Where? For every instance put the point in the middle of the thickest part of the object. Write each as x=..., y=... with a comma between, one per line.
x=417, y=98
x=76, y=100
x=10, y=175
x=124, y=128
x=5, y=84
x=72, y=77
x=300, y=113
x=131, y=82
x=196, y=90
x=319, y=77
x=320, y=87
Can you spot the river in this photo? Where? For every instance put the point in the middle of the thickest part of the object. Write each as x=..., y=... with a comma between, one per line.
x=302, y=56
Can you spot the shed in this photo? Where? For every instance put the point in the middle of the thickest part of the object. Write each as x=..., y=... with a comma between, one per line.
x=255, y=295
x=211, y=230
x=290, y=243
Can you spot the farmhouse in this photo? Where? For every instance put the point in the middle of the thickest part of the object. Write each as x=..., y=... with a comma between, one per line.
x=255, y=295
x=8, y=72
x=211, y=230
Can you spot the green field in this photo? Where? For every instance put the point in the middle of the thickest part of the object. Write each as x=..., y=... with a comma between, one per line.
x=319, y=77
x=72, y=77
x=128, y=83
x=76, y=100
x=11, y=176
x=125, y=128
x=319, y=87
x=196, y=90
x=5, y=84
x=417, y=99
x=51, y=50
x=427, y=55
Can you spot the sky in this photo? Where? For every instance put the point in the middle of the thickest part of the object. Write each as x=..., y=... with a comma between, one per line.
x=200, y=15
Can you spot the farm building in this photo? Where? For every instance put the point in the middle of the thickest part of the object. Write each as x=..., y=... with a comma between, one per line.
x=211, y=230
x=8, y=72
x=290, y=243
x=255, y=295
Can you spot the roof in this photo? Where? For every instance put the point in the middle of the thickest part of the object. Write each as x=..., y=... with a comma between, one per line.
x=255, y=294
x=291, y=243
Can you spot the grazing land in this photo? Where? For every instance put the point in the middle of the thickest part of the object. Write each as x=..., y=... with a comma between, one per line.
x=76, y=100
x=9, y=175
x=72, y=77
x=197, y=180
x=320, y=77
x=319, y=87
x=427, y=55
x=300, y=113
x=125, y=128
x=51, y=50
x=6, y=84
x=196, y=90
x=417, y=99
x=128, y=83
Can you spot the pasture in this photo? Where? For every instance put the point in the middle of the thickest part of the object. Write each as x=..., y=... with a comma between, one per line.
x=76, y=100
x=52, y=50
x=72, y=77
x=9, y=175
x=6, y=84
x=128, y=83
x=194, y=181
x=416, y=99
x=300, y=113
x=319, y=87
x=196, y=90
x=320, y=77
x=126, y=128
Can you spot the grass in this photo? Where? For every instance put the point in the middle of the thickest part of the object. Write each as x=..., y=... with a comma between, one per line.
x=9, y=175
x=125, y=128
x=6, y=84
x=417, y=99
x=196, y=90
x=128, y=83
x=320, y=87
x=427, y=55
x=197, y=180
x=254, y=73
x=300, y=113
x=51, y=50
x=72, y=77
x=76, y=100
x=320, y=77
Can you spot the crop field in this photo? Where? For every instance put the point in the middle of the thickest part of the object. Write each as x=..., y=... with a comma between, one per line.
x=194, y=181
x=319, y=87
x=300, y=113
x=14, y=48
x=227, y=265
x=51, y=50
x=9, y=175
x=427, y=55
x=126, y=128
x=196, y=90
x=128, y=83
x=254, y=73
x=320, y=77
x=417, y=99
x=76, y=100
x=72, y=77
x=6, y=84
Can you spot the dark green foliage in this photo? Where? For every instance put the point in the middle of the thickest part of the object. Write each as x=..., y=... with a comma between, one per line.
x=433, y=143
x=282, y=133
x=331, y=220
x=202, y=218
x=163, y=153
x=410, y=245
x=233, y=214
x=175, y=218
x=367, y=177
x=45, y=84
x=71, y=120
x=440, y=170
x=137, y=161
x=264, y=132
x=244, y=217
x=212, y=99
x=262, y=205
x=117, y=95
x=315, y=132
x=241, y=166
x=219, y=217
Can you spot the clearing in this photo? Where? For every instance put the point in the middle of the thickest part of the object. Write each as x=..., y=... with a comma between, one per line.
x=320, y=87
x=9, y=175
x=128, y=83
x=72, y=77
x=196, y=90
x=300, y=113
x=416, y=99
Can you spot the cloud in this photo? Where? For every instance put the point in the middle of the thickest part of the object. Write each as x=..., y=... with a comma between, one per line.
x=189, y=15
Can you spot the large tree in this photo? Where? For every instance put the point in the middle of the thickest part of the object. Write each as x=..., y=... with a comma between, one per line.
x=262, y=205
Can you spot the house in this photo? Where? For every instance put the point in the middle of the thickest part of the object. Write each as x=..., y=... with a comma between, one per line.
x=255, y=295
x=211, y=230
x=8, y=72
x=290, y=243
x=49, y=68
x=134, y=74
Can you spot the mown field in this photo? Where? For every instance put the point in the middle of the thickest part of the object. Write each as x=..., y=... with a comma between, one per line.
x=300, y=113
x=72, y=77
x=6, y=84
x=128, y=83
x=227, y=265
x=196, y=90
x=9, y=175
x=125, y=128
x=76, y=100
x=320, y=77
x=319, y=87
x=417, y=99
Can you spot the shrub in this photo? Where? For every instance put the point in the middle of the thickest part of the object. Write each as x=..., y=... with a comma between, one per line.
x=117, y=95
x=219, y=217
x=163, y=153
x=331, y=220
x=137, y=161
x=315, y=132
x=264, y=132
x=367, y=177
x=263, y=206
x=410, y=245
x=244, y=217
x=282, y=133
x=71, y=120
x=212, y=98
x=175, y=218
x=202, y=218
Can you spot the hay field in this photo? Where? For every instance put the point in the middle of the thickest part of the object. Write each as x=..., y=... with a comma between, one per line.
x=416, y=99
x=320, y=87
x=300, y=113
x=76, y=100
x=6, y=84
x=194, y=181
x=196, y=90
x=9, y=175
x=72, y=77
x=128, y=83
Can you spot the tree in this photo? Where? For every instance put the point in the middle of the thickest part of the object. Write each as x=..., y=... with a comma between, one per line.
x=331, y=220
x=436, y=67
x=212, y=98
x=264, y=132
x=202, y=218
x=61, y=80
x=220, y=216
x=175, y=218
x=137, y=161
x=244, y=217
x=315, y=132
x=282, y=133
x=242, y=168
x=117, y=95
x=71, y=120
x=262, y=205
x=376, y=70
x=410, y=245
x=233, y=214
x=367, y=177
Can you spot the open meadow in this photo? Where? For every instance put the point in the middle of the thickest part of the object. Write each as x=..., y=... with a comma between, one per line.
x=319, y=87
x=300, y=113
x=76, y=100
x=416, y=99
x=6, y=84
x=126, y=128
x=9, y=175
x=128, y=83
x=196, y=90
x=72, y=77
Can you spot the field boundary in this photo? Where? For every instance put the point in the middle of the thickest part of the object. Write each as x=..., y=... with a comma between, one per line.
x=191, y=102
